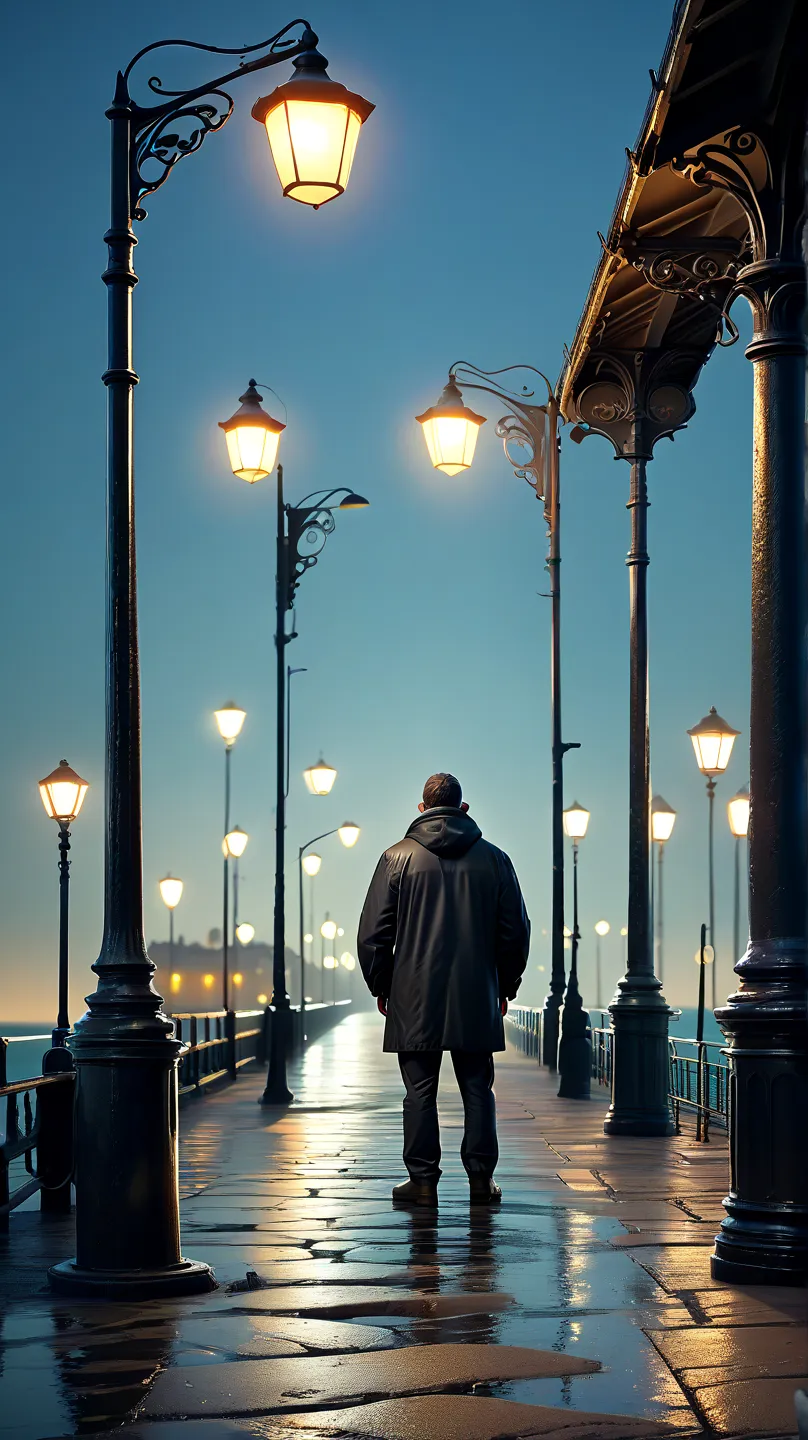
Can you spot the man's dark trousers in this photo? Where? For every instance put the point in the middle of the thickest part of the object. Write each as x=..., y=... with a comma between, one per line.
x=420, y=1071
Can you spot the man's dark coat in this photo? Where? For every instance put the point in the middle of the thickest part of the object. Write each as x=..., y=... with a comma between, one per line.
x=444, y=936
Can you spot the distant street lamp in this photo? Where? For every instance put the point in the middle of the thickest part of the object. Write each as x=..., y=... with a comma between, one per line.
x=301, y=530
x=704, y=956
x=602, y=929
x=171, y=893
x=713, y=740
x=663, y=819
x=738, y=815
x=450, y=430
x=229, y=721
x=310, y=865
x=233, y=846
x=574, y=1058
x=62, y=794
x=245, y=933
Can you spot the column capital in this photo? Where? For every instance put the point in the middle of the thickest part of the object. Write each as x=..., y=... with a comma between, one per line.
x=637, y=397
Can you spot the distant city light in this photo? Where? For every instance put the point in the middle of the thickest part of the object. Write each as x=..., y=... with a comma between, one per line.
x=207, y=981
x=262, y=998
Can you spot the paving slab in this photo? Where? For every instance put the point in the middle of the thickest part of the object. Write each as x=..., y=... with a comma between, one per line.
x=355, y=1300
x=257, y=1386
x=749, y=1407
x=719, y=1355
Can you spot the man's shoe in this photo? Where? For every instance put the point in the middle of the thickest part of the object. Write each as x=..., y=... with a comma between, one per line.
x=484, y=1192
x=415, y=1192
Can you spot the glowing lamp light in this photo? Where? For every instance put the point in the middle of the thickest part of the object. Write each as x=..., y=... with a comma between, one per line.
x=171, y=891
x=576, y=820
x=307, y=939
x=238, y=978
x=347, y=960
x=450, y=431
x=330, y=962
x=663, y=819
x=738, y=813
x=328, y=930
x=262, y=998
x=709, y=955
x=602, y=927
x=235, y=842
x=245, y=932
x=349, y=834
x=253, y=437
x=207, y=981
x=311, y=864
x=176, y=982
x=340, y=930
x=713, y=740
x=312, y=125
x=320, y=777
x=229, y=721
x=63, y=793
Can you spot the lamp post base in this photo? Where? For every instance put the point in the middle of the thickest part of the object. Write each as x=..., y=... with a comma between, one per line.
x=277, y=1091
x=187, y=1277
x=550, y=1030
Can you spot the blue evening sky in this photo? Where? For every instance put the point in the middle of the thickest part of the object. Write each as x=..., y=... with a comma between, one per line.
x=468, y=230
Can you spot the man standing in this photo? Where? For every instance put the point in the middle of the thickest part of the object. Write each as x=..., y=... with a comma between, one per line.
x=443, y=942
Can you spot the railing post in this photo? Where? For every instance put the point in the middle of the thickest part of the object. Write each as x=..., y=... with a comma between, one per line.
x=193, y=1068
x=230, y=1043
x=54, y=1151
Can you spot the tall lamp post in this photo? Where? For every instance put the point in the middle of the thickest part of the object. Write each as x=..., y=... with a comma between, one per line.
x=62, y=793
x=713, y=740
x=171, y=893
x=126, y=1052
x=602, y=928
x=738, y=815
x=310, y=865
x=663, y=819
x=229, y=721
x=575, y=1051
x=253, y=439
x=450, y=430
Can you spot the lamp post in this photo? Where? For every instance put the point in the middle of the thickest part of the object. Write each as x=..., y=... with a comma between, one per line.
x=126, y=1052
x=310, y=865
x=171, y=893
x=233, y=847
x=713, y=740
x=575, y=1051
x=62, y=794
x=663, y=819
x=602, y=929
x=301, y=532
x=738, y=816
x=704, y=956
x=450, y=431
x=229, y=722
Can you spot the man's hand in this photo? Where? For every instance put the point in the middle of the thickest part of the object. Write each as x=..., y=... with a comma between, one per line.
x=503, y=1005
x=381, y=1004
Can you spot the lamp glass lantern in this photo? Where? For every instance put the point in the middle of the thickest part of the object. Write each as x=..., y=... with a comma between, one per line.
x=312, y=124
x=235, y=842
x=171, y=891
x=311, y=864
x=713, y=740
x=328, y=929
x=349, y=834
x=320, y=778
x=738, y=814
x=576, y=821
x=450, y=431
x=253, y=437
x=663, y=819
x=229, y=721
x=602, y=927
x=62, y=793
x=245, y=932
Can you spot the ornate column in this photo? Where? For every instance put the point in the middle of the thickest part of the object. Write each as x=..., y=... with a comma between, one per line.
x=764, y=1238
x=634, y=402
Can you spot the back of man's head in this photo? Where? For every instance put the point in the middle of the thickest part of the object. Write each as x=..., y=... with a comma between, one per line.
x=442, y=789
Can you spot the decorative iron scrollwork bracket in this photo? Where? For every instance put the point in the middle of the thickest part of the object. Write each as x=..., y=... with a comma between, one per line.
x=635, y=400
x=308, y=528
x=527, y=426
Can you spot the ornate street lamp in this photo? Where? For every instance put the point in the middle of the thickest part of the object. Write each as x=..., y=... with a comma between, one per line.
x=450, y=430
x=229, y=722
x=311, y=863
x=349, y=834
x=171, y=893
x=320, y=778
x=713, y=740
x=126, y=1052
x=602, y=928
x=233, y=847
x=738, y=816
x=301, y=532
x=663, y=819
x=62, y=794
x=575, y=1051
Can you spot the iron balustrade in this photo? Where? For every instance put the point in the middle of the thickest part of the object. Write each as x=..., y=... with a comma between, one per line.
x=216, y=1048
x=42, y=1138
x=525, y=1026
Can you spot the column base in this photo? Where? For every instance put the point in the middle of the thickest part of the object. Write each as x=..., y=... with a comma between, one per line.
x=187, y=1277
x=640, y=1066
x=278, y=1094
x=550, y=1030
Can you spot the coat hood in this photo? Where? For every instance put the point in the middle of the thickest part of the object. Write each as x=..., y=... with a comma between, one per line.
x=445, y=831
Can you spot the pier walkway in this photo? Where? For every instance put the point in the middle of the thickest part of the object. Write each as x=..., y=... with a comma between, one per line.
x=582, y=1309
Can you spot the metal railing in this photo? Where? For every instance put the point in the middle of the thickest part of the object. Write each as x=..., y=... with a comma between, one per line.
x=42, y=1137
x=525, y=1029
x=700, y=1081
x=219, y=1043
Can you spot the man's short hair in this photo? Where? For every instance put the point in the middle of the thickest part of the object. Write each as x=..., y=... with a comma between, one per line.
x=442, y=789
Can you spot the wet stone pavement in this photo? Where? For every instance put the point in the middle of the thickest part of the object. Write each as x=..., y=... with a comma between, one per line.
x=583, y=1308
